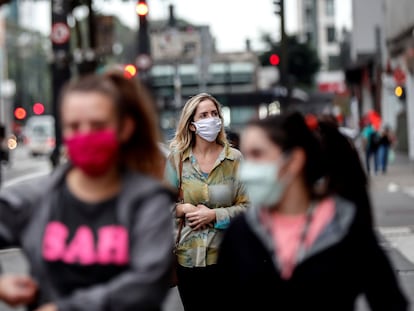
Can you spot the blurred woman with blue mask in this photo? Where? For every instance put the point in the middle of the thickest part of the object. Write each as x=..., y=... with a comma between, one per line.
x=307, y=242
x=205, y=165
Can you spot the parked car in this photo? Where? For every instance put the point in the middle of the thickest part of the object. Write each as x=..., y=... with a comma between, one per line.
x=39, y=135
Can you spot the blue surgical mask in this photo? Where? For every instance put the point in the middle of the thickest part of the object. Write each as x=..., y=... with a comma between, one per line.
x=208, y=129
x=261, y=180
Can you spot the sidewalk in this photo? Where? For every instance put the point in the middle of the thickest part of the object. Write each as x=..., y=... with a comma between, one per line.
x=400, y=175
x=395, y=190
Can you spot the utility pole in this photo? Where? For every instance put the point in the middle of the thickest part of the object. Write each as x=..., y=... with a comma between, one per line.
x=174, y=34
x=284, y=71
x=60, y=67
x=143, y=60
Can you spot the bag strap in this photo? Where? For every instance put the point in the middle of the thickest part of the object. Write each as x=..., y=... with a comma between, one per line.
x=180, y=200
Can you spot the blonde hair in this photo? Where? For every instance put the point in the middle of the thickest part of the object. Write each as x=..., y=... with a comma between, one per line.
x=184, y=137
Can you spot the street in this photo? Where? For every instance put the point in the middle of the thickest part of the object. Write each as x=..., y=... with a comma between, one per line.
x=392, y=194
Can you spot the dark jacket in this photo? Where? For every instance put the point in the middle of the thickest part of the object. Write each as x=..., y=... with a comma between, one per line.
x=25, y=210
x=344, y=262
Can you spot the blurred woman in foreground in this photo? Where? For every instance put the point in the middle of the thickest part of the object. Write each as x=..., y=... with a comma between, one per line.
x=307, y=243
x=97, y=232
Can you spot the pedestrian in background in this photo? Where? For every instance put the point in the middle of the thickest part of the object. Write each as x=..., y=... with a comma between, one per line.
x=212, y=196
x=233, y=138
x=98, y=231
x=302, y=245
x=384, y=148
x=370, y=142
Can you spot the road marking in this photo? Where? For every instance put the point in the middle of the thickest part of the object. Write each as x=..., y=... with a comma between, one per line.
x=393, y=187
x=400, y=238
x=409, y=191
x=26, y=177
x=395, y=231
x=13, y=251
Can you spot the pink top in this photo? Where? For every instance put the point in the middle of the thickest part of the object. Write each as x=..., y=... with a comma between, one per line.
x=287, y=230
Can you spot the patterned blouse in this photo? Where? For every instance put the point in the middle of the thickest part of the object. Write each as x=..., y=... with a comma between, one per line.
x=220, y=189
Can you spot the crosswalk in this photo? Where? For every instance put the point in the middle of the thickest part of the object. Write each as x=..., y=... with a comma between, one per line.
x=401, y=239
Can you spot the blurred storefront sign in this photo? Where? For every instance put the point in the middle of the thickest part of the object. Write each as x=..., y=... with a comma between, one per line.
x=332, y=87
x=331, y=82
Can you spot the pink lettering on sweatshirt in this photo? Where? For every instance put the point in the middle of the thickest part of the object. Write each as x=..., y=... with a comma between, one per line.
x=111, y=247
x=82, y=248
x=54, y=241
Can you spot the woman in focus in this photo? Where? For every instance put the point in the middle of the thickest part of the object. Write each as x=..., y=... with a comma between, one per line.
x=212, y=196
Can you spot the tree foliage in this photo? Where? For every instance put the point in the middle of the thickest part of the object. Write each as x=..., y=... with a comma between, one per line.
x=303, y=61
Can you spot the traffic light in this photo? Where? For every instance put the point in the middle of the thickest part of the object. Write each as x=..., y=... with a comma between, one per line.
x=142, y=8
x=20, y=113
x=274, y=59
x=38, y=108
x=399, y=91
x=130, y=71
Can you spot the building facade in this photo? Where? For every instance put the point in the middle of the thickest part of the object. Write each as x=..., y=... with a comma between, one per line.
x=399, y=34
x=316, y=25
x=185, y=62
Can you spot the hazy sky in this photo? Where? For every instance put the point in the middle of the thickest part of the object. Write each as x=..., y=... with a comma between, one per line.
x=231, y=21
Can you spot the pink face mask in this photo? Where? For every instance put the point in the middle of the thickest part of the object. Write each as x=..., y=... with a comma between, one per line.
x=94, y=153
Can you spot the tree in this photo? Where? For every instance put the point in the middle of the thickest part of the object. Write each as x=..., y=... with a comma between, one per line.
x=303, y=61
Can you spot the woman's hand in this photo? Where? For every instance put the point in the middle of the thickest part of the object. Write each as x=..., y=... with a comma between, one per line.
x=183, y=208
x=201, y=218
x=47, y=307
x=17, y=290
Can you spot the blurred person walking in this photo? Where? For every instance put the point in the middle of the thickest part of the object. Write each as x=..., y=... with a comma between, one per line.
x=370, y=142
x=307, y=242
x=212, y=196
x=97, y=232
x=233, y=138
x=384, y=148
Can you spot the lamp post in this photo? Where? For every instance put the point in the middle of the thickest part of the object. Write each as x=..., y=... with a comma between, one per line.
x=60, y=35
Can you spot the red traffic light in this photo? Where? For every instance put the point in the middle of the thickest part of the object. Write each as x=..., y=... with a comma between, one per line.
x=142, y=8
x=38, y=108
x=274, y=59
x=130, y=71
x=20, y=113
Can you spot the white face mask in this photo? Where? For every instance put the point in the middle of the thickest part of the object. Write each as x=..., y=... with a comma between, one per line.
x=261, y=182
x=208, y=129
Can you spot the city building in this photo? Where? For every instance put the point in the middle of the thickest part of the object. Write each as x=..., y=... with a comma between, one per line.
x=317, y=25
x=185, y=62
x=399, y=35
x=378, y=74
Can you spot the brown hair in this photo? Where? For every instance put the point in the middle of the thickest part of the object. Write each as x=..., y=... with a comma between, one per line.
x=329, y=154
x=131, y=99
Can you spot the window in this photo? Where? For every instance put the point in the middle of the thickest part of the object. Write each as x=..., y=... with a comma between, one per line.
x=308, y=16
x=334, y=62
x=329, y=7
x=189, y=47
x=309, y=37
x=330, y=34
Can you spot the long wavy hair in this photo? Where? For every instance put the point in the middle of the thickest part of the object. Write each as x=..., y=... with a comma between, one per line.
x=184, y=137
x=141, y=152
